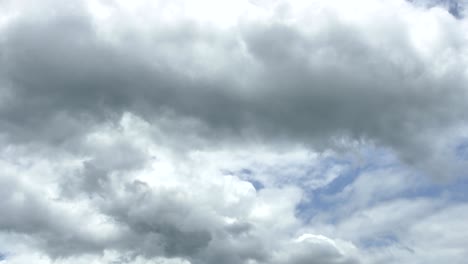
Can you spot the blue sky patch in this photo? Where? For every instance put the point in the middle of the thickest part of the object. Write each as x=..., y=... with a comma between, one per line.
x=462, y=151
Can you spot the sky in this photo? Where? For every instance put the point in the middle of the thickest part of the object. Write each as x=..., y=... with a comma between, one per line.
x=235, y=132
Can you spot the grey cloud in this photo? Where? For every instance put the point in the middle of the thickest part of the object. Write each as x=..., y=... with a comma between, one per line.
x=304, y=87
x=55, y=70
x=118, y=157
x=456, y=7
x=166, y=223
x=272, y=80
x=145, y=224
x=163, y=218
x=26, y=212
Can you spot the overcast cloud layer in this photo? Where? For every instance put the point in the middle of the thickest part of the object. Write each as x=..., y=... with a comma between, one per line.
x=243, y=132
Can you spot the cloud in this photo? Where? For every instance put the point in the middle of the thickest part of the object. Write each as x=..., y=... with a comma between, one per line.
x=456, y=8
x=262, y=73
x=195, y=132
x=165, y=208
x=310, y=248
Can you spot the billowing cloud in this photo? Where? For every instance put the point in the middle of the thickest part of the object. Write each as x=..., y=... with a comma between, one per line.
x=295, y=71
x=256, y=132
x=170, y=207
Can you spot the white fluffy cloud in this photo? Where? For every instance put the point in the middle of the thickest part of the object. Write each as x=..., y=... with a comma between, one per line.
x=256, y=132
x=171, y=206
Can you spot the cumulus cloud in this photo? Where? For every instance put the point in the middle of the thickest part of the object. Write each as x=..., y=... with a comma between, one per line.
x=200, y=132
x=171, y=208
x=262, y=71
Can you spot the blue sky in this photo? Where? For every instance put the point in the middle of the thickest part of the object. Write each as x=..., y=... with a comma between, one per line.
x=455, y=7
